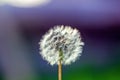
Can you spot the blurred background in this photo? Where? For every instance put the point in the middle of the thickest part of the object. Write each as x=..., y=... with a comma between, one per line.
x=22, y=24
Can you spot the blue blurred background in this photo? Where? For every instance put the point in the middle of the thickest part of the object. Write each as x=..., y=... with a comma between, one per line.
x=22, y=28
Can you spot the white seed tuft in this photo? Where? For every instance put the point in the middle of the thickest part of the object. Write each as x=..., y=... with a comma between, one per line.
x=61, y=37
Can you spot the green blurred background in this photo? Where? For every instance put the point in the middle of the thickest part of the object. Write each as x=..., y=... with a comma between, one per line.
x=22, y=28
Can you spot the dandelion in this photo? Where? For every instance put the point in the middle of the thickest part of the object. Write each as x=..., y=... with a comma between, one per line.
x=61, y=45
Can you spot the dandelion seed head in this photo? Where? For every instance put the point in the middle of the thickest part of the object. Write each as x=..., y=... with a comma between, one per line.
x=64, y=38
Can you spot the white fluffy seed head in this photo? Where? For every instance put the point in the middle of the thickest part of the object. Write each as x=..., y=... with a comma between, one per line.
x=63, y=38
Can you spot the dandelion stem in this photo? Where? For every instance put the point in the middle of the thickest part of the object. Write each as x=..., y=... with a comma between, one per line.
x=60, y=65
x=60, y=70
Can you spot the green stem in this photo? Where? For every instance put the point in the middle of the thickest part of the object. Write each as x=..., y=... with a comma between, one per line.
x=59, y=70
x=60, y=65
